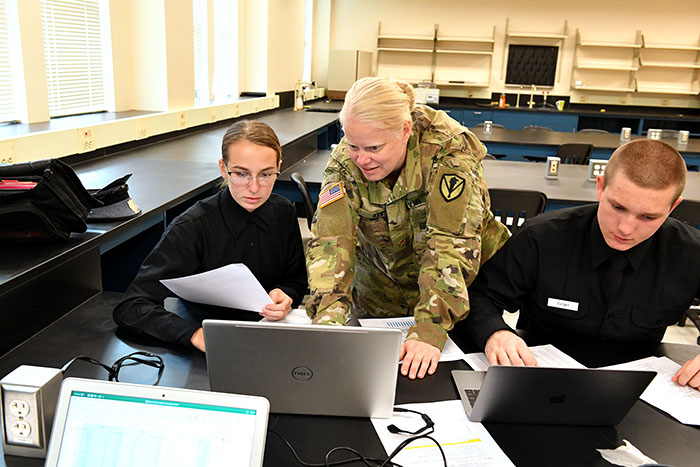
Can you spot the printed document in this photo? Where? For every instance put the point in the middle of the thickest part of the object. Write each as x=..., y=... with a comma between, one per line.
x=230, y=286
x=546, y=355
x=680, y=402
x=450, y=353
x=465, y=443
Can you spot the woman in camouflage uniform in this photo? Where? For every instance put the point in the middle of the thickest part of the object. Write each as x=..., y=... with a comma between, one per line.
x=403, y=222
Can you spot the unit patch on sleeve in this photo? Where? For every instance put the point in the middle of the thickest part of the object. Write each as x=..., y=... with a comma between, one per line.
x=330, y=195
x=451, y=186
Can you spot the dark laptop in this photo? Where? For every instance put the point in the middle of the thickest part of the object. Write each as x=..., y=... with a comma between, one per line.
x=550, y=396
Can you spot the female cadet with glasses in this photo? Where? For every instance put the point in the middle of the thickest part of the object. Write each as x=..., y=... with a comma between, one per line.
x=244, y=223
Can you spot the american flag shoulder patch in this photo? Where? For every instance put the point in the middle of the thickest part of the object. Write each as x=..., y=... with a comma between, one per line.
x=330, y=195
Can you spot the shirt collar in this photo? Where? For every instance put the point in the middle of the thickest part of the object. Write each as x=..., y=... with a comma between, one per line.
x=602, y=252
x=238, y=218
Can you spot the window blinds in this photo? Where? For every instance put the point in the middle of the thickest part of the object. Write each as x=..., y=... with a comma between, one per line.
x=73, y=52
x=7, y=88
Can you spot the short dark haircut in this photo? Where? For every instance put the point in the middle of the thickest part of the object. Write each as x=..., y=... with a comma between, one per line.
x=648, y=164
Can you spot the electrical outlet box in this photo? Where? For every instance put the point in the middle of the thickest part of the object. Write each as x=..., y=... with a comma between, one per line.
x=86, y=140
x=596, y=167
x=28, y=401
x=552, y=167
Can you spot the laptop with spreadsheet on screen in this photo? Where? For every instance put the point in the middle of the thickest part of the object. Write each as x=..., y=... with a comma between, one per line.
x=101, y=423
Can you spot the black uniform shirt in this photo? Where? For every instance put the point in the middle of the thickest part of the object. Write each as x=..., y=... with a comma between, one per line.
x=552, y=270
x=215, y=232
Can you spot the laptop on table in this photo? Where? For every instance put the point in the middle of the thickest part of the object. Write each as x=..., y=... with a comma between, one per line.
x=304, y=368
x=550, y=396
x=108, y=423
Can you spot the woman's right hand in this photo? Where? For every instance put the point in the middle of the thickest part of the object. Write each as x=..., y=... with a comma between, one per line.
x=197, y=339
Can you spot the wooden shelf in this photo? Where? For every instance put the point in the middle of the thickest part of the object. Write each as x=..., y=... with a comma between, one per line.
x=652, y=64
x=672, y=47
x=402, y=49
x=408, y=37
x=602, y=88
x=482, y=40
x=617, y=45
x=602, y=66
x=464, y=52
x=694, y=89
x=464, y=84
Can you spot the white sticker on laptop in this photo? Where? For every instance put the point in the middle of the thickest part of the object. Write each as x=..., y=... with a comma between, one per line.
x=562, y=304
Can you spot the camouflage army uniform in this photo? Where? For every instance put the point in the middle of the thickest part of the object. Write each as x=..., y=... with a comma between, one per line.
x=410, y=249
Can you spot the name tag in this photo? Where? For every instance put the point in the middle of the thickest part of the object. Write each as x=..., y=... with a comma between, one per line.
x=562, y=304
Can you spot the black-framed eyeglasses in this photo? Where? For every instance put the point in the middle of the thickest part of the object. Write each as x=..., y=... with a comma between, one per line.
x=243, y=178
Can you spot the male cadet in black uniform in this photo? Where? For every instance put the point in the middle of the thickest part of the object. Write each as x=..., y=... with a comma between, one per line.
x=621, y=270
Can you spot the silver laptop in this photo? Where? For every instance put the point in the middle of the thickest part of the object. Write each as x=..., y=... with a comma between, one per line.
x=550, y=396
x=101, y=423
x=306, y=369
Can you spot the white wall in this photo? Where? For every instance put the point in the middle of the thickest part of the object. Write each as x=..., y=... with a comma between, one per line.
x=354, y=26
x=285, y=59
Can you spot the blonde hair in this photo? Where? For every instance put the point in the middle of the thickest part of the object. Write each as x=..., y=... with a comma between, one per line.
x=648, y=164
x=386, y=103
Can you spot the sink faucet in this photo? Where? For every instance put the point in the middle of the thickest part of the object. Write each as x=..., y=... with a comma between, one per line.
x=531, y=102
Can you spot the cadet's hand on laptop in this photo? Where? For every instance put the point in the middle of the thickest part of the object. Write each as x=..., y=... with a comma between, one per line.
x=418, y=358
x=197, y=339
x=689, y=373
x=507, y=348
x=281, y=305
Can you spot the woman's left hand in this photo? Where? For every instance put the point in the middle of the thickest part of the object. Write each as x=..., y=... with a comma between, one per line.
x=281, y=305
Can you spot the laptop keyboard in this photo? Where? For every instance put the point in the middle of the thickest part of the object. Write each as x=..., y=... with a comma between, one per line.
x=471, y=395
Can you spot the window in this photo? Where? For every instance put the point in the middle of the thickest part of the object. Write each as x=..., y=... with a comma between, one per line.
x=201, y=51
x=225, y=84
x=75, y=55
x=8, y=108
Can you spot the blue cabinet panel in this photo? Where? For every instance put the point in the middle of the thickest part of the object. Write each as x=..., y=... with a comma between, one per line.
x=515, y=120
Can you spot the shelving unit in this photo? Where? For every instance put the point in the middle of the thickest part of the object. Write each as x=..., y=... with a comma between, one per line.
x=668, y=68
x=534, y=38
x=463, y=62
x=448, y=61
x=607, y=66
x=406, y=56
x=639, y=66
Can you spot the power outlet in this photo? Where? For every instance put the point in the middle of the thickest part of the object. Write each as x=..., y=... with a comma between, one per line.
x=181, y=120
x=8, y=152
x=86, y=140
x=29, y=397
x=141, y=129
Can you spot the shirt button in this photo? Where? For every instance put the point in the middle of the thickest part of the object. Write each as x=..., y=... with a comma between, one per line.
x=252, y=245
x=611, y=315
x=658, y=321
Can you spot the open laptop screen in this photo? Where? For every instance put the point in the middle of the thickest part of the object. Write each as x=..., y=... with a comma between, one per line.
x=162, y=429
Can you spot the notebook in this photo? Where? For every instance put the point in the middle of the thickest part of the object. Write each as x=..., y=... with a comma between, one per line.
x=550, y=396
x=306, y=369
x=107, y=423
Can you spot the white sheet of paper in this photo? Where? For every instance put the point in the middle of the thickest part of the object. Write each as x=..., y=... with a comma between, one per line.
x=295, y=316
x=465, y=443
x=231, y=286
x=450, y=353
x=680, y=402
x=546, y=355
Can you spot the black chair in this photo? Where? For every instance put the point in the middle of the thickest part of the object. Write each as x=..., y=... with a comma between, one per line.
x=537, y=128
x=689, y=212
x=594, y=130
x=574, y=153
x=308, y=204
x=512, y=207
